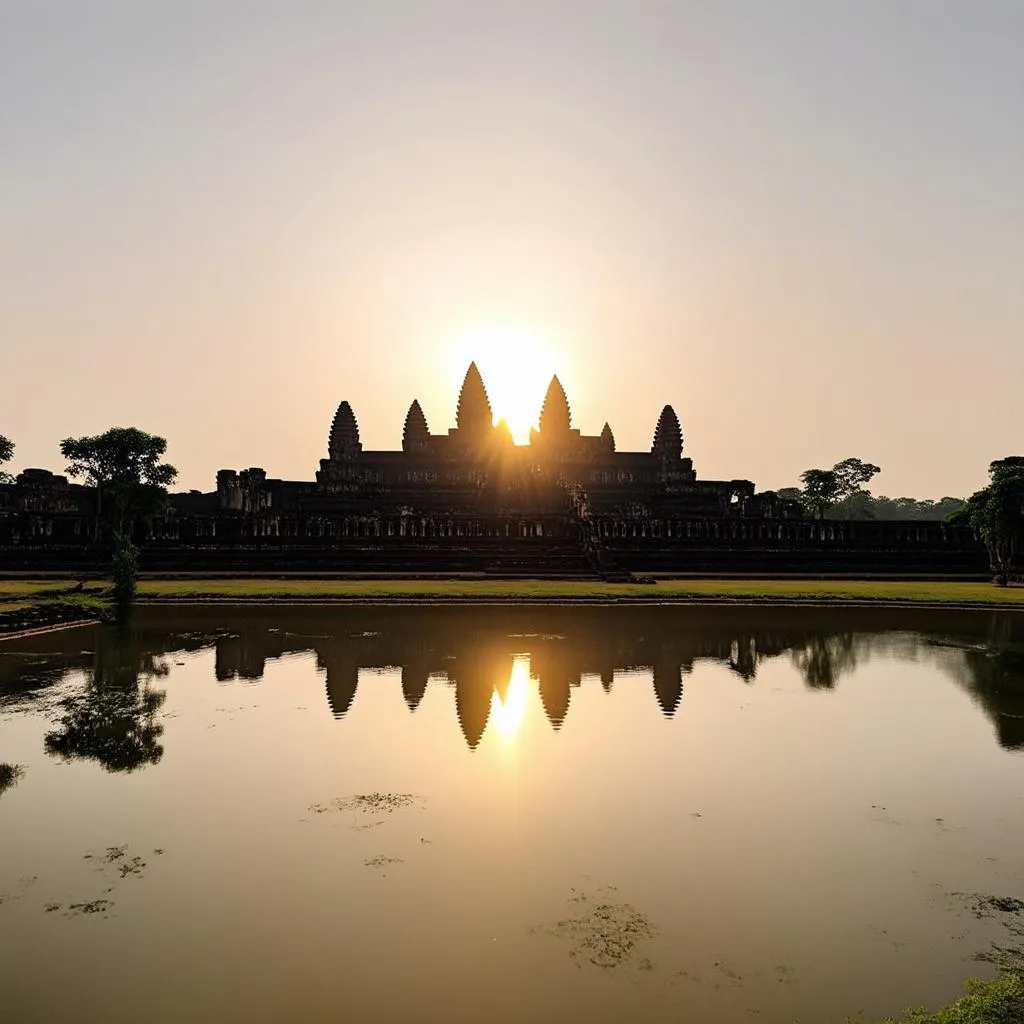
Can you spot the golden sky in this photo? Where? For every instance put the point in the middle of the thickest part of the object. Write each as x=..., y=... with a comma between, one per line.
x=800, y=223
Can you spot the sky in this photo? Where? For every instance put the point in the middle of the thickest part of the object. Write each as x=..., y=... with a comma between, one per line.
x=800, y=223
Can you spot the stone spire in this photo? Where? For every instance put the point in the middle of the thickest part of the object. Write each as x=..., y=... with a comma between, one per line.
x=473, y=708
x=668, y=687
x=343, y=442
x=554, y=413
x=668, y=436
x=607, y=438
x=555, y=694
x=416, y=434
x=473, y=415
x=504, y=432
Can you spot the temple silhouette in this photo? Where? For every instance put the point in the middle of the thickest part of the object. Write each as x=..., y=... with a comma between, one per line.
x=471, y=499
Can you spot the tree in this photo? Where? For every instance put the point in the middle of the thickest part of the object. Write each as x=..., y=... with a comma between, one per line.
x=131, y=484
x=997, y=514
x=6, y=454
x=824, y=488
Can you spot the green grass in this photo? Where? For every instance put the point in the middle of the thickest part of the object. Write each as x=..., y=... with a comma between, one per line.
x=986, y=1002
x=31, y=588
x=567, y=590
x=91, y=602
x=86, y=603
x=928, y=592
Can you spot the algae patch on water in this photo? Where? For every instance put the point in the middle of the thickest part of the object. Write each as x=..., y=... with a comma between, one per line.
x=370, y=808
x=91, y=907
x=603, y=930
x=1008, y=911
x=381, y=861
x=10, y=775
x=118, y=859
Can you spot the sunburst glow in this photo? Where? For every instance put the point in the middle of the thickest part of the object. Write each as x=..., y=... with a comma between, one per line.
x=507, y=715
x=516, y=364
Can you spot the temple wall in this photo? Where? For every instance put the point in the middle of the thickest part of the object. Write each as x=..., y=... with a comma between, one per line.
x=217, y=540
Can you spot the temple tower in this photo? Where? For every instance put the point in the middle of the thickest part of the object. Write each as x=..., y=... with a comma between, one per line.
x=416, y=435
x=343, y=442
x=668, y=436
x=607, y=438
x=473, y=416
x=554, y=421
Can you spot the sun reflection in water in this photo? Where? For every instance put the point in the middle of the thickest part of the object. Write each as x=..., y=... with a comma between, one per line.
x=507, y=714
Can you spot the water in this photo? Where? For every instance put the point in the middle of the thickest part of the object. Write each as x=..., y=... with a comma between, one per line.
x=602, y=814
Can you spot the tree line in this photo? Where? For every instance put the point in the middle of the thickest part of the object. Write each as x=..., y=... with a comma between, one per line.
x=838, y=493
x=995, y=513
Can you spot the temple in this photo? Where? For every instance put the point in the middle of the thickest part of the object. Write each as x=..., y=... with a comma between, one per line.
x=471, y=499
x=475, y=467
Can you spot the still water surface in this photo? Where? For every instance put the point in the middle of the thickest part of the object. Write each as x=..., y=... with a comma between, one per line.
x=507, y=815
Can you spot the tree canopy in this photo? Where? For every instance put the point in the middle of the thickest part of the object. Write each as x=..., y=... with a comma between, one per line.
x=862, y=504
x=824, y=488
x=6, y=453
x=124, y=465
x=997, y=513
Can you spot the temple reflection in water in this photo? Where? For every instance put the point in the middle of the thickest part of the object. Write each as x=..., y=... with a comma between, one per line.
x=496, y=660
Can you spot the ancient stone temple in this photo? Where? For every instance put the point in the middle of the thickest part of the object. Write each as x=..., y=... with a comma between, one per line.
x=473, y=481
x=476, y=467
x=470, y=499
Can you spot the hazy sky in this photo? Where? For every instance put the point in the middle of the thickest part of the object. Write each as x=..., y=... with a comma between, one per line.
x=802, y=223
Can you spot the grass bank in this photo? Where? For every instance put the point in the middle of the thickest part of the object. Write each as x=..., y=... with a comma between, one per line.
x=528, y=590
x=23, y=609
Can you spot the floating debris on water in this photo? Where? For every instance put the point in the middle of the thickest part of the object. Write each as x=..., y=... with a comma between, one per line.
x=381, y=861
x=998, y=907
x=374, y=806
x=132, y=866
x=1005, y=904
x=605, y=932
x=23, y=886
x=1007, y=910
x=119, y=859
x=90, y=907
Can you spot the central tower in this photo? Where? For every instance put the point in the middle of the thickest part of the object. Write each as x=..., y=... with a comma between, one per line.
x=474, y=419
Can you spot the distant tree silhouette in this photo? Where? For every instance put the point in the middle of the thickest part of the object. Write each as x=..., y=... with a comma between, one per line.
x=997, y=514
x=824, y=488
x=864, y=505
x=6, y=454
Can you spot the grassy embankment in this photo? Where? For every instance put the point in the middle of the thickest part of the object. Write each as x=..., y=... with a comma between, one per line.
x=27, y=596
x=19, y=592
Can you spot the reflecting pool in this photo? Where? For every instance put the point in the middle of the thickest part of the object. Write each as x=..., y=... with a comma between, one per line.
x=501, y=814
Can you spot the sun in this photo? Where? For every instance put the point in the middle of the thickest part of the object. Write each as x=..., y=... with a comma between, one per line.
x=508, y=714
x=516, y=364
